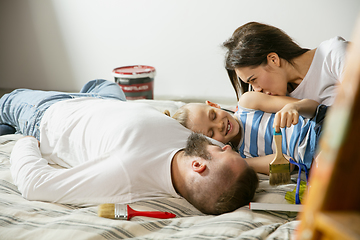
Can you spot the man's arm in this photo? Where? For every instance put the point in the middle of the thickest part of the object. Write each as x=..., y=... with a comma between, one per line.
x=35, y=178
x=27, y=165
x=88, y=183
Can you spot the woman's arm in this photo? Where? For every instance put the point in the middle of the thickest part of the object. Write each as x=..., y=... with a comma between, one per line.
x=273, y=104
x=287, y=109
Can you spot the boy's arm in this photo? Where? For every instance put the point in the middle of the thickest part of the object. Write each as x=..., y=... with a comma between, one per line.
x=261, y=164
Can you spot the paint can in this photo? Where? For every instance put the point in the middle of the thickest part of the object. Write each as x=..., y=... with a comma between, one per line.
x=136, y=81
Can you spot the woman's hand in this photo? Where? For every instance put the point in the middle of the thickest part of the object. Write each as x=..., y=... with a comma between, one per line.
x=286, y=117
x=289, y=114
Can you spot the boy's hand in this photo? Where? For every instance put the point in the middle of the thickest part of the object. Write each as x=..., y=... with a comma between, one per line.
x=212, y=104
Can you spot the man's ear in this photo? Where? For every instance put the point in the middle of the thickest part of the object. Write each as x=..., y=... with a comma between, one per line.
x=198, y=165
x=273, y=58
x=211, y=104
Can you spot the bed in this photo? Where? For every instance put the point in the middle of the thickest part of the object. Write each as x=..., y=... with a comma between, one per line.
x=23, y=219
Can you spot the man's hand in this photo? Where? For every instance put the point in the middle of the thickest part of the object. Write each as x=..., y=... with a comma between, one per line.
x=32, y=137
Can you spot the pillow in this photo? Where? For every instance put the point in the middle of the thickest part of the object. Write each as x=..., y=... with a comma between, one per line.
x=162, y=105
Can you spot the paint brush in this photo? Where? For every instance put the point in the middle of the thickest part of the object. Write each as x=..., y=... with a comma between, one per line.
x=125, y=212
x=279, y=168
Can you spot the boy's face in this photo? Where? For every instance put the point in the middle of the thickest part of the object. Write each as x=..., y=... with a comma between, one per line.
x=212, y=122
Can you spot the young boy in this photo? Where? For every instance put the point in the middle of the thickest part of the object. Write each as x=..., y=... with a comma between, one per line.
x=250, y=130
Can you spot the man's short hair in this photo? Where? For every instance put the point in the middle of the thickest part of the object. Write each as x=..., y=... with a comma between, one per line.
x=196, y=146
x=240, y=193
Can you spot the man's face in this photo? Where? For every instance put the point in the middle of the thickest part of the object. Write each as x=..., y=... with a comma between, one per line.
x=226, y=159
x=221, y=160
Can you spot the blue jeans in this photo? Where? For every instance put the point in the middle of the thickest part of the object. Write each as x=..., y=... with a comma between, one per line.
x=24, y=108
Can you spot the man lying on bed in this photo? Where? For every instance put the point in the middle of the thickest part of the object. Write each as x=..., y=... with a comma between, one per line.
x=117, y=152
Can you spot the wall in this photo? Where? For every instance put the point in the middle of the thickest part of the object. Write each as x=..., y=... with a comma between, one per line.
x=61, y=44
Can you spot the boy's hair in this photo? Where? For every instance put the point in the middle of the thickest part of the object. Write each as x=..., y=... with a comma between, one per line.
x=249, y=46
x=182, y=115
x=240, y=193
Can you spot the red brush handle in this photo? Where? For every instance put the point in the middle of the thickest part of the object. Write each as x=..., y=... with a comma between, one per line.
x=153, y=214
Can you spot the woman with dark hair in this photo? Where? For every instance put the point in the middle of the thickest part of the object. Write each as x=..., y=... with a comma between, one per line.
x=267, y=60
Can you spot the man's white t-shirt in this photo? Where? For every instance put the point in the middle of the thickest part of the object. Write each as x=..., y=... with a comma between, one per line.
x=324, y=75
x=112, y=152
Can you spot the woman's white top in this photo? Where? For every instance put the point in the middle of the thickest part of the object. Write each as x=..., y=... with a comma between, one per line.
x=325, y=73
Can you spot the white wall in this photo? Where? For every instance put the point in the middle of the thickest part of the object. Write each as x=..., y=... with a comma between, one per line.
x=61, y=44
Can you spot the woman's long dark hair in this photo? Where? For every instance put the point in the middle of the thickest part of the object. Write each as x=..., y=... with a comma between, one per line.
x=249, y=46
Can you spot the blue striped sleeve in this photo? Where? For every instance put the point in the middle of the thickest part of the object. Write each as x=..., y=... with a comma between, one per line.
x=294, y=138
x=242, y=118
x=254, y=133
x=269, y=136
